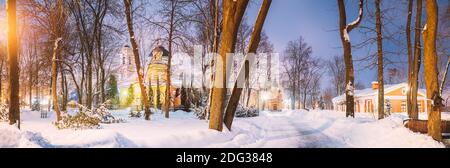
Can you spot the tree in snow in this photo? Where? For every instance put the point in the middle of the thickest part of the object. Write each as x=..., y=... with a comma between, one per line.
x=112, y=92
x=414, y=61
x=2, y=67
x=128, y=14
x=336, y=69
x=232, y=105
x=233, y=12
x=344, y=30
x=172, y=22
x=380, y=61
x=13, y=71
x=431, y=72
x=299, y=68
x=54, y=78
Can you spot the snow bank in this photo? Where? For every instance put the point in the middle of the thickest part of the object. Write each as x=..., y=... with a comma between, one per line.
x=291, y=129
x=11, y=137
x=366, y=132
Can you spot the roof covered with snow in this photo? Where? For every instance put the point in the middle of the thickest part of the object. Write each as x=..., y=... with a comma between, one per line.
x=373, y=92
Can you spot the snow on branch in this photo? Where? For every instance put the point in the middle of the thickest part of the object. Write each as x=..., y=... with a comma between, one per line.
x=355, y=23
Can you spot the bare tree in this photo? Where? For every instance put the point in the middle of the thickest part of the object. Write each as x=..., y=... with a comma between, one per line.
x=244, y=72
x=233, y=12
x=54, y=80
x=380, y=61
x=431, y=71
x=88, y=16
x=328, y=96
x=416, y=63
x=13, y=56
x=129, y=17
x=296, y=61
x=349, y=72
x=410, y=55
x=336, y=69
x=309, y=81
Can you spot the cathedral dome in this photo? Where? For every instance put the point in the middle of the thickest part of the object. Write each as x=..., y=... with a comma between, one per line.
x=159, y=55
x=160, y=49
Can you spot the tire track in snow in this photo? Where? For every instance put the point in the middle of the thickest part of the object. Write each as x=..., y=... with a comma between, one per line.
x=282, y=129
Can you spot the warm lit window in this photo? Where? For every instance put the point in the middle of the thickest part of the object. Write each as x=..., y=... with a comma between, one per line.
x=403, y=106
x=419, y=106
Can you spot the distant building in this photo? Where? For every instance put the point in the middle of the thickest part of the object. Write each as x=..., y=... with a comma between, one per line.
x=157, y=72
x=127, y=67
x=366, y=100
x=265, y=95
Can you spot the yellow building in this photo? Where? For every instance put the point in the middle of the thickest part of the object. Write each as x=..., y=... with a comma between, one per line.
x=157, y=77
x=366, y=100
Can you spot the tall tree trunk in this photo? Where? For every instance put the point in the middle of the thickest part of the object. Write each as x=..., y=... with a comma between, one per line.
x=12, y=52
x=410, y=57
x=380, y=62
x=64, y=89
x=215, y=49
x=169, y=62
x=348, y=59
x=30, y=85
x=233, y=12
x=244, y=72
x=293, y=97
x=63, y=108
x=416, y=63
x=54, y=80
x=89, y=95
x=102, y=84
x=1, y=80
x=431, y=70
x=137, y=60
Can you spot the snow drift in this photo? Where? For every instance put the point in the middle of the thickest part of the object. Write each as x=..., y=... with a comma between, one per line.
x=291, y=129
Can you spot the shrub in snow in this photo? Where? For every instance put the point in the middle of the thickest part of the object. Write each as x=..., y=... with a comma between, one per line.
x=84, y=119
x=36, y=106
x=3, y=112
x=87, y=118
x=246, y=112
x=102, y=112
x=135, y=114
x=199, y=112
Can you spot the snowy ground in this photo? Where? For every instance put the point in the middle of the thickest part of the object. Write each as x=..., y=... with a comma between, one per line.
x=292, y=129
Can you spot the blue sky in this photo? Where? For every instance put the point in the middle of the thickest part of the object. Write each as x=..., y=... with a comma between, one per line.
x=317, y=21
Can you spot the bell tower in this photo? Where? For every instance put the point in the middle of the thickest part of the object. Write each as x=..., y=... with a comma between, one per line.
x=127, y=64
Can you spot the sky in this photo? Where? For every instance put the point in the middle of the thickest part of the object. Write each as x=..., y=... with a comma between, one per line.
x=313, y=20
x=317, y=22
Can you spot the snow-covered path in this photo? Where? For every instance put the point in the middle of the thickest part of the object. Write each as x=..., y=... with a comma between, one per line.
x=283, y=131
x=291, y=129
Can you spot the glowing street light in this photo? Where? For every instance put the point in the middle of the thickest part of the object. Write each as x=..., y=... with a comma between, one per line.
x=265, y=96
